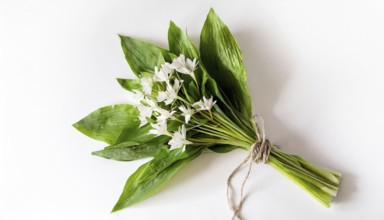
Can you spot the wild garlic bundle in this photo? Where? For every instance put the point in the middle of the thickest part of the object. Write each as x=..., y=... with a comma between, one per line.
x=187, y=101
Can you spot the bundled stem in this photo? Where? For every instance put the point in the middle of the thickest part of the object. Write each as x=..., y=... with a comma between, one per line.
x=320, y=183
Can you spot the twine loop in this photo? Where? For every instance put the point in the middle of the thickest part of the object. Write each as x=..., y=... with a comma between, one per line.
x=258, y=153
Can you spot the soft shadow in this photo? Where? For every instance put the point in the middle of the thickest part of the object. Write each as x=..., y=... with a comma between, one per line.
x=347, y=190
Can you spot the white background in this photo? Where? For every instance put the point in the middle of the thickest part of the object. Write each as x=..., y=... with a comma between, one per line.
x=315, y=74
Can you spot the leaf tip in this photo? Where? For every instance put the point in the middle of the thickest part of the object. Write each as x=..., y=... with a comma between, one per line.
x=117, y=207
x=171, y=23
x=212, y=13
x=120, y=36
x=96, y=153
x=173, y=28
x=120, y=80
x=76, y=125
x=124, y=38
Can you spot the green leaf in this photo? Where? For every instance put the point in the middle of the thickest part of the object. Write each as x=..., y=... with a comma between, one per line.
x=193, y=91
x=128, y=151
x=141, y=135
x=151, y=176
x=143, y=56
x=147, y=144
x=130, y=84
x=223, y=60
x=179, y=43
x=107, y=123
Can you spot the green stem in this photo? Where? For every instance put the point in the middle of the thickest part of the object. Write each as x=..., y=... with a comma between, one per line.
x=320, y=183
x=213, y=141
x=183, y=100
x=216, y=134
x=230, y=125
x=234, y=136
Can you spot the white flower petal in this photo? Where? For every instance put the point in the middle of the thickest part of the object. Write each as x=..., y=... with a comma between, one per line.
x=164, y=114
x=205, y=104
x=143, y=121
x=184, y=65
x=162, y=96
x=146, y=84
x=146, y=108
x=137, y=97
x=164, y=73
x=167, y=68
x=178, y=62
x=179, y=138
x=171, y=92
x=187, y=112
x=160, y=128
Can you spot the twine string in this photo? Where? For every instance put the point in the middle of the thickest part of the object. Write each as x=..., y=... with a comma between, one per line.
x=258, y=153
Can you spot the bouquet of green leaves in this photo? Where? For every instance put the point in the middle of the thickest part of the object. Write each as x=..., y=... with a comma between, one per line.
x=186, y=101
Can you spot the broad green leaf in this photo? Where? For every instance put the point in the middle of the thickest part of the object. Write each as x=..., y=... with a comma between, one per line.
x=179, y=43
x=107, y=123
x=130, y=84
x=151, y=176
x=143, y=56
x=223, y=60
x=141, y=134
x=127, y=151
x=147, y=144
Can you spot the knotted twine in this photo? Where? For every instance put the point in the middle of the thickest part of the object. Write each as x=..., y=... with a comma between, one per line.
x=258, y=153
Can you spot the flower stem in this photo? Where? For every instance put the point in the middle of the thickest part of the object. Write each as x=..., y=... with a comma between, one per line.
x=213, y=141
x=213, y=133
x=234, y=136
x=230, y=125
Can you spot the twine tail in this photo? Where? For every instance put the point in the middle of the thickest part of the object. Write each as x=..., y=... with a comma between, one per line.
x=258, y=153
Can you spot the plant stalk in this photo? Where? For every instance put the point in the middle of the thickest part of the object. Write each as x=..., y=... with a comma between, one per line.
x=320, y=183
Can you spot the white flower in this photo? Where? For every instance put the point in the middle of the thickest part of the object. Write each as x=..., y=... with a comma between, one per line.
x=170, y=94
x=146, y=108
x=179, y=138
x=185, y=66
x=137, y=97
x=160, y=128
x=161, y=96
x=144, y=113
x=150, y=103
x=146, y=85
x=164, y=73
x=205, y=104
x=164, y=114
x=187, y=112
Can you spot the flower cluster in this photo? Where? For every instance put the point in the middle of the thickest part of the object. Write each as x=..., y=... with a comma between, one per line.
x=159, y=100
